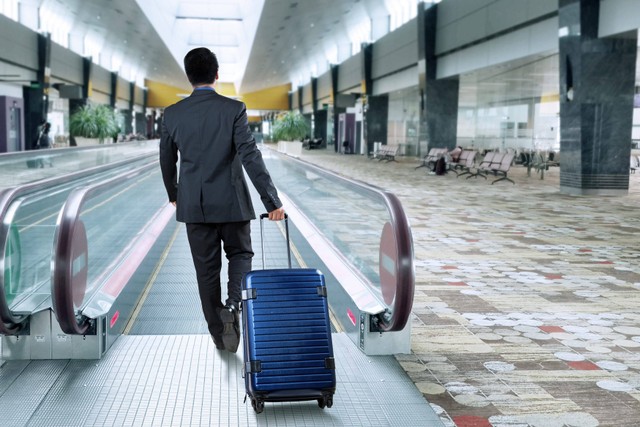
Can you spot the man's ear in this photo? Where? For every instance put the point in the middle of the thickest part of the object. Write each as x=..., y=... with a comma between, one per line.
x=217, y=77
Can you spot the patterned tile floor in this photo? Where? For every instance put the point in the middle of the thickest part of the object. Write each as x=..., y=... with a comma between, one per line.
x=527, y=304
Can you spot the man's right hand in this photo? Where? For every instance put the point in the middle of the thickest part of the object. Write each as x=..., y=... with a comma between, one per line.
x=276, y=214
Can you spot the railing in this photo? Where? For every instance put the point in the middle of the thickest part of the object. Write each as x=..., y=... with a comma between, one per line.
x=366, y=224
x=12, y=256
x=18, y=168
x=107, y=221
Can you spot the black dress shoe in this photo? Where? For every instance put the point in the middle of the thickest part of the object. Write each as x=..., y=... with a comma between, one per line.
x=231, y=324
x=218, y=342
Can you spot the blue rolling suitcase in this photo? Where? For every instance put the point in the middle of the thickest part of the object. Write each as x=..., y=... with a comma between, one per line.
x=288, y=353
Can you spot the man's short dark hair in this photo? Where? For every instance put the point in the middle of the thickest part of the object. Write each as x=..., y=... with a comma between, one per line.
x=201, y=66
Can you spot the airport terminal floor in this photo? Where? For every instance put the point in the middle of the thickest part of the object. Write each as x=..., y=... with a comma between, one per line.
x=525, y=314
x=526, y=305
x=164, y=369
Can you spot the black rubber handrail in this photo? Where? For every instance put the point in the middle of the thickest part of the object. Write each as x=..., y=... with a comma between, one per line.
x=72, y=322
x=397, y=318
x=10, y=324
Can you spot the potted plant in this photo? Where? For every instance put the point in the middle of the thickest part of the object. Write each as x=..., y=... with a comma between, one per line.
x=96, y=123
x=289, y=129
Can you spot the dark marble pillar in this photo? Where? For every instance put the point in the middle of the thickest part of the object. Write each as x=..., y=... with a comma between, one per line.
x=128, y=114
x=74, y=104
x=367, y=68
x=314, y=94
x=438, y=97
x=36, y=96
x=376, y=108
x=320, y=128
x=377, y=120
x=300, y=98
x=597, y=79
x=336, y=110
x=114, y=89
x=145, y=100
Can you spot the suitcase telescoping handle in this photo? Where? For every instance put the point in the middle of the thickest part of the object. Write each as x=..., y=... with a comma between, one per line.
x=286, y=228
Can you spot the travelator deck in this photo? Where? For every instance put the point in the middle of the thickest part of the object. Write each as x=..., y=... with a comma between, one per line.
x=165, y=370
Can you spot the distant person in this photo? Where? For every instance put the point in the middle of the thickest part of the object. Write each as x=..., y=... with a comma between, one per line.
x=44, y=142
x=212, y=135
x=455, y=155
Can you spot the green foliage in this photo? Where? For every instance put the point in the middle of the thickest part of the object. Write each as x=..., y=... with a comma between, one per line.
x=94, y=122
x=290, y=126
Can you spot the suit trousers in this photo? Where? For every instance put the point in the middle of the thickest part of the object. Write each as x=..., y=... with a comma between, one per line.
x=205, y=241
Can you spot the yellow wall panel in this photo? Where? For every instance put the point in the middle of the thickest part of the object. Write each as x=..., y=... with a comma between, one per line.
x=162, y=95
x=273, y=98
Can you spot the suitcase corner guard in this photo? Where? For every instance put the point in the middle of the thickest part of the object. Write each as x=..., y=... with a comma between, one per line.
x=330, y=363
x=249, y=294
x=253, y=367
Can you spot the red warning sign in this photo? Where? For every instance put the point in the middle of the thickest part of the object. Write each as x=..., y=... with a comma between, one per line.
x=388, y=264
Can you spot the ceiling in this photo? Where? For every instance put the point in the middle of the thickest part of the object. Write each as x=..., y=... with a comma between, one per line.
x=259, y=43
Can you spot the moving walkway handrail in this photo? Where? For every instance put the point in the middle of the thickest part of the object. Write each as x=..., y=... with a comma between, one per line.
x=62, y=276
x=11, y=324
x=24, y=155
x=397, y=319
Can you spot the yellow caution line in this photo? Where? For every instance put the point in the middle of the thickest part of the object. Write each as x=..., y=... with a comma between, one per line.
x=296, y=254
x=150, y=282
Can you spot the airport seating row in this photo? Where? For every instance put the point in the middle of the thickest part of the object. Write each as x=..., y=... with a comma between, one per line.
x=386, y=152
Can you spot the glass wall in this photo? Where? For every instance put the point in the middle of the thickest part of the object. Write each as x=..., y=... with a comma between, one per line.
x=513, y=106
x=403, y=120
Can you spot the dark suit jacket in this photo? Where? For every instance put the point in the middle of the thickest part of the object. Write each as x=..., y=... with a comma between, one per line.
x=212, y=134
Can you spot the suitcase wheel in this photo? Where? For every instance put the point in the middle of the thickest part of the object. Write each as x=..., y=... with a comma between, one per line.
x=258, y=405
x=325, y=401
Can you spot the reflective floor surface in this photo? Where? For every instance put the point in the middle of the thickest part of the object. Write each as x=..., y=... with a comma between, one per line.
x=527, y=305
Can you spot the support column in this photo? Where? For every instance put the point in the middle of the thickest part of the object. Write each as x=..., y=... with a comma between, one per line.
x=319, y=116
x=74, y=104
x=597, y=79
x=314, y=94
x=438, y=125
x=128, y=114
x=376, y=108
x=337, y=144
x=377, y=120
x=36, y=96
x=114, y=89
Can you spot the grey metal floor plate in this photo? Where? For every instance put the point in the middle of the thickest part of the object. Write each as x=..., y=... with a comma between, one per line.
x=182, y=380
x=172, y=306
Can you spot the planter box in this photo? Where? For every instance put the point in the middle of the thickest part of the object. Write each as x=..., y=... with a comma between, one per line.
x=292, y=148
x=83, y=142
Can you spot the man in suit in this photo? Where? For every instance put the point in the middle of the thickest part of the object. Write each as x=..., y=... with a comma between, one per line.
x=212, y=135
